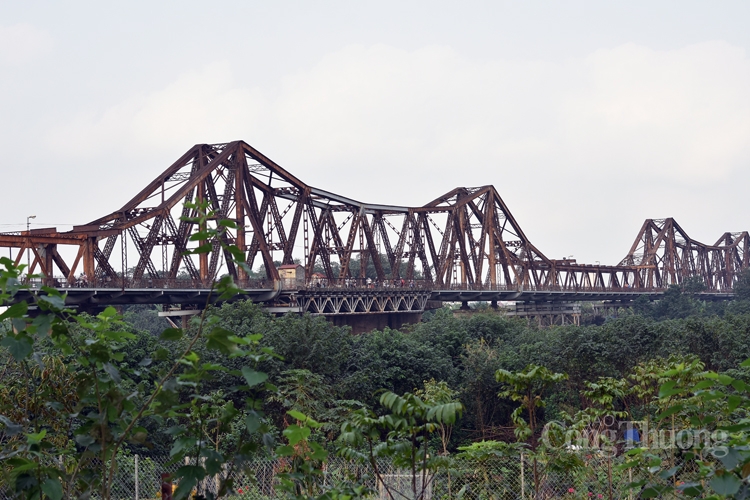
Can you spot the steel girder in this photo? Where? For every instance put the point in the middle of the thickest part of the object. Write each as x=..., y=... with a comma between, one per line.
x=465, y=239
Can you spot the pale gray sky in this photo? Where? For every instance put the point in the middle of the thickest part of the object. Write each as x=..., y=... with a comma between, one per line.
x=587, y=116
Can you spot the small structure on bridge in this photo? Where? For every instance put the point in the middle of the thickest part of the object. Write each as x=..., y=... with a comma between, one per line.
x=292, y=275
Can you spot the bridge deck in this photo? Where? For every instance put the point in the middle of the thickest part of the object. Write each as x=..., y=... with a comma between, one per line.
x=313, y=299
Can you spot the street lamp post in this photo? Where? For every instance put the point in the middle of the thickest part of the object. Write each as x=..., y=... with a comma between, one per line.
x=28, y=249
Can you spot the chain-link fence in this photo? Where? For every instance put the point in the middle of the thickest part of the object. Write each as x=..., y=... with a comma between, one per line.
x=593, y=477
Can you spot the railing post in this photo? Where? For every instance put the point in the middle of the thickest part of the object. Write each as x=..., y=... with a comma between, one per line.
x=135, y=472
x=523, y=483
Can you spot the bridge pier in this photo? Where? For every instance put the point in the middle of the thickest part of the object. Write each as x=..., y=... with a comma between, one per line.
x=548, y=313
x=363, y=323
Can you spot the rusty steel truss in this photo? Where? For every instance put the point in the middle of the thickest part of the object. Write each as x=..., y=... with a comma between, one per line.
x=465, y=239
x=663, y=254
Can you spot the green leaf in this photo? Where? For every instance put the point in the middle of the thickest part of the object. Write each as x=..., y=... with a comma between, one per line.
x=184, y=487
x=742, y=426
x=666, y=474
x=731, y=459
x=726, y=484
x=318, y=453
x=113, y=372
x=445, y=413
x=298, y=415
x=649, y=493
x=51, y=302
x=285, y=451
x=218, y=340
x=252, y=422
x=19, y=346
x=203, y=248
x=295, y=434
x=237, y=254
x=739, y=385
x=253, y=377
x=52, y=488
x=652, y=491
x=181, y=445
x=15, y=311
x=746, y=363
x=11, y=428
x=34, y=438
x=702, y=385
x=670, y=411
x=171, y=334
x=161, y=354
x=213, y=462
x=691, y=489
x=120, y=336
x=201, y=235
x=733, y=402
x=667, y=389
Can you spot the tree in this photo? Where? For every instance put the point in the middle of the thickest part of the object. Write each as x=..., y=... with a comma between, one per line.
x=394, y=360
x=479, y=387
x=112, y=397
x=402, y=436
x=527, y=387
x=434, y=393
x=742, y=286
x=675, y=303
x=711, y=405
x=307, y=343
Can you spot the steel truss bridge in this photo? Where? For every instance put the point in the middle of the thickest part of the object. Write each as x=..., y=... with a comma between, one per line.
x=463, y=246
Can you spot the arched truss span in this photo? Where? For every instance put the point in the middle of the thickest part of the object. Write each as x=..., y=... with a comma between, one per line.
x=466, y=238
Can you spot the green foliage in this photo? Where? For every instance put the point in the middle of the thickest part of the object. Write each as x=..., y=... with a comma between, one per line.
x=86, y=403
x=527, y=387
x=93, y=389
x=394, y=360
x=708, y=404
x=482, y=451
x=400, y=435
x=742, y=287
x=308, y=343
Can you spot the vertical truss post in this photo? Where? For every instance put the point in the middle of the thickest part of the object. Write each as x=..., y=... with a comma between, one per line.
x=203, y=257
x=306, y=237
x=489, y=227
x=239, y=193
x=124, y=258
x=88, y=257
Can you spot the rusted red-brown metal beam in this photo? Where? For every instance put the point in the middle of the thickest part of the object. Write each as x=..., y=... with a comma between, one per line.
x=467, y=237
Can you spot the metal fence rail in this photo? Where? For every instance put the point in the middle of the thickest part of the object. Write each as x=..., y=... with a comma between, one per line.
x=500, y=478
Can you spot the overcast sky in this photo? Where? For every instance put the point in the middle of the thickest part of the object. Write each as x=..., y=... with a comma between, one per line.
x=588, y=117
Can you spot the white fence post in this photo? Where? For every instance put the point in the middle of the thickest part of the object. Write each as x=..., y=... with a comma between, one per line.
x=523, y=484
x=136, y=476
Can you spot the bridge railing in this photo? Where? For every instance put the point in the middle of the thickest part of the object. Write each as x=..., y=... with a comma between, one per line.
x=339, y=284
x=130, y=283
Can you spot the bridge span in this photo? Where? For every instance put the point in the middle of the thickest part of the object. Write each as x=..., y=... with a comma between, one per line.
x=366, y=308
x=464, y=245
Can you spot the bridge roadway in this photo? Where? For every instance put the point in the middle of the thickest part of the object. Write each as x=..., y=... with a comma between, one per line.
x=309, y=299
